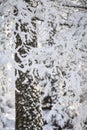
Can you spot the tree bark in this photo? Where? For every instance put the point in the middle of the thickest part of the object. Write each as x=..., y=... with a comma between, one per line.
x=28, y=113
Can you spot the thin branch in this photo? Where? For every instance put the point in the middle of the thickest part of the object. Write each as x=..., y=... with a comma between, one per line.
x=75, y=6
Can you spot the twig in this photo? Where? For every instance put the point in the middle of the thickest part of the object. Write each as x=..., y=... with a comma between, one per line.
x=75, y=6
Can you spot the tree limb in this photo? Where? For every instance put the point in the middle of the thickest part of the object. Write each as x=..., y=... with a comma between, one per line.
x=75, y=6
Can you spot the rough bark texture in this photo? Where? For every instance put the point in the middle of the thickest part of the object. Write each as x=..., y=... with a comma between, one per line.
x=28, y=113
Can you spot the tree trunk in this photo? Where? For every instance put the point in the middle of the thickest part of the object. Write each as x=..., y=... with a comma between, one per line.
x=28, y=113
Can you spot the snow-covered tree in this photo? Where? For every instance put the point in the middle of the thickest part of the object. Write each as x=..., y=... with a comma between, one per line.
x=49, y=37
x=60, y=53
x=28, y=112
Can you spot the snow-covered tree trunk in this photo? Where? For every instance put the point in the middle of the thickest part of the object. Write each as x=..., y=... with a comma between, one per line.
x=28, y=111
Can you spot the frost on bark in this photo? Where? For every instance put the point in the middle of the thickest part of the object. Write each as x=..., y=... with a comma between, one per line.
x=28, y=113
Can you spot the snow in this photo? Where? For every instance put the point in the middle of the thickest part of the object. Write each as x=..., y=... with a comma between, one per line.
x=59, y=61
